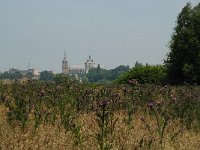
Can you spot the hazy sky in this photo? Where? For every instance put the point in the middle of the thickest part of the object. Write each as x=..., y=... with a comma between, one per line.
x=114, y=32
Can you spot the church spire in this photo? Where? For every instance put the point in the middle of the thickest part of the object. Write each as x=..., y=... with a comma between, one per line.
x=65, y=54
x=65, y=67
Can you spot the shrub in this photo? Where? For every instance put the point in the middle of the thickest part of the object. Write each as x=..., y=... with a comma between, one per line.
x=144, y=74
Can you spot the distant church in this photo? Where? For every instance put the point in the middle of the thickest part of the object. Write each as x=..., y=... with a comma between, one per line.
x=77, y=69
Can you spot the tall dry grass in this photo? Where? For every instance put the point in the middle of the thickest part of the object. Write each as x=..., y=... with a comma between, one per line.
x=125, y=137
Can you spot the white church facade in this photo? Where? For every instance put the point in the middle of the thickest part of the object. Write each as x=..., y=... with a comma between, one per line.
x=77, y=69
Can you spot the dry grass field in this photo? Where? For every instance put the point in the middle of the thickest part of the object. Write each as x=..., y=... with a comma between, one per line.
x=125, y=137
x=72, y=116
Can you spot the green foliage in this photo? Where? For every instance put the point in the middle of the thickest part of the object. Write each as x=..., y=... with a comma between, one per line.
x=183, y=61
x=137, y=64
x=12, y=76
x=144, y=74
x=96, y=74
x=116, y=72
x=46, y=76
x=60, y=78
x=106, y=123
x=60, y=104
x=99, y=75
x=29, y=75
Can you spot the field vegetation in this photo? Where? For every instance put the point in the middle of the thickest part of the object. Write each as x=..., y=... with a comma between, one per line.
x=147, y=107
x=70, y=115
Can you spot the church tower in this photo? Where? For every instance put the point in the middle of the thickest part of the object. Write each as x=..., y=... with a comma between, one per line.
x=65, y=67
x=89, y=64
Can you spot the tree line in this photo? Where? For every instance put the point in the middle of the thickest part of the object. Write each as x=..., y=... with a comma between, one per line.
x=182, y=64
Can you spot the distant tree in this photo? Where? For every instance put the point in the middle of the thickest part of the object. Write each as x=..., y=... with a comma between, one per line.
x=145, y=74
x=116, y=72
x=98, y=68
x=29, y=75
x=84, y=79
x=59, y=78
x=46, y=76
x=96, y=74
x=99, y=75
x=12, y=76
x=17, y=75
x=137, y=64
x=183, y=60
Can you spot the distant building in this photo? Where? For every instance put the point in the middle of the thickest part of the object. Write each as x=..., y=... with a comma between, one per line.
x=65, y=67
x=13, y=70
x=77, y=69
x=34, y=72
x=89, y=64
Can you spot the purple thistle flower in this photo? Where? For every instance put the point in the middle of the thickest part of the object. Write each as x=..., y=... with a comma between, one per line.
x=142, y=119
x=151, y=105
x=104, y=103
x=174, y=99
x=133, y=81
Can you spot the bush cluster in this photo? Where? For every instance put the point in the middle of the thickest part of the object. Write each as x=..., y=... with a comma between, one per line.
x=144, y=74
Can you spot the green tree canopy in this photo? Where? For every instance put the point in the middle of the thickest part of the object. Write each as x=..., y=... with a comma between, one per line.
x=99, y=75
x=96, y=74
x=144, y=74
x=46, y=76
x=116, y=72
x=11, y=75
x=183, y=60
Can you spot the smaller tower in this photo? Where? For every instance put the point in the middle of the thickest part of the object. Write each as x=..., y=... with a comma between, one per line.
x=89, y=64
x=65, y=67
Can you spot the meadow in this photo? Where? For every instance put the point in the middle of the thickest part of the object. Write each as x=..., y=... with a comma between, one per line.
x=70, y=115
